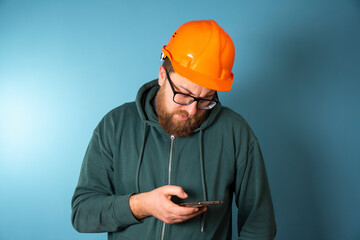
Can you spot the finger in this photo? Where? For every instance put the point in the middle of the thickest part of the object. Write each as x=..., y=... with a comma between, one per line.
x=183, y=218
x=195, y=212
x=198, y=212
x=180, y=211
x=172, y=190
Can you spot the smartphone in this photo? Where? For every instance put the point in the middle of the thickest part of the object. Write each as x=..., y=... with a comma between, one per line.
x=201, y=203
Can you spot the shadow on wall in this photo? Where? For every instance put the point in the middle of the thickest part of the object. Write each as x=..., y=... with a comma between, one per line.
x=298, y=108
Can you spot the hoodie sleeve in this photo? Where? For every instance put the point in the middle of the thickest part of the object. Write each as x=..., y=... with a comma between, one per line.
x=95, y=207
x=255, y=209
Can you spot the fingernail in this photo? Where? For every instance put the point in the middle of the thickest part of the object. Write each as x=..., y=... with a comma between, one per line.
x=196, y=209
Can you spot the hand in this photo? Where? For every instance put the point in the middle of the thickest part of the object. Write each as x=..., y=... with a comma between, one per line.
x=158, y=203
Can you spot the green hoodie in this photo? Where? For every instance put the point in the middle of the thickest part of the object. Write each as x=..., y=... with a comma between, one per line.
x=129, y=153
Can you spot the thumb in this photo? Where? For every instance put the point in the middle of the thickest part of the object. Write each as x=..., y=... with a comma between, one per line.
x=171, y=190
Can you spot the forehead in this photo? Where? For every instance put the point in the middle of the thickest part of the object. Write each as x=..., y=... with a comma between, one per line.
x=184, y=85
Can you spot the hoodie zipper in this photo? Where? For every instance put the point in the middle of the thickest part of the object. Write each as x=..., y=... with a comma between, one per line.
x=169, y=180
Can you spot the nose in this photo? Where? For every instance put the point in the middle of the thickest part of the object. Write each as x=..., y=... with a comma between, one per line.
x=191, y=108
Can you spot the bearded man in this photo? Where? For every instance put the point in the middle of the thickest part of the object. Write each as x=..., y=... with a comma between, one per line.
x=174, y=145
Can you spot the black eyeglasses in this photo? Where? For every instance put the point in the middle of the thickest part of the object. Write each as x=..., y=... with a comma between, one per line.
x=185, y=99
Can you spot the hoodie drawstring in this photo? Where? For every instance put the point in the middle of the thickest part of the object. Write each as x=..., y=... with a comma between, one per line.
x=203, y=218
x=140, y=159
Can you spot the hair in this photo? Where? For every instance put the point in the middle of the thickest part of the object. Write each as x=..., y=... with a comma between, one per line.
x=167, y=65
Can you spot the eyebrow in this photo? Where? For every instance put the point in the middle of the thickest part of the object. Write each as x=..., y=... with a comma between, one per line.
x=190, y=93
x=186, y=89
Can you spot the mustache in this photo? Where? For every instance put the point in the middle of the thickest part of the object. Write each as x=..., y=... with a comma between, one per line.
x=182, y=113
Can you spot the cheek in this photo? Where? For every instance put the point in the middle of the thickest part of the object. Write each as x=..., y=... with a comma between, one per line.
x=165, y=104
x=170, y=105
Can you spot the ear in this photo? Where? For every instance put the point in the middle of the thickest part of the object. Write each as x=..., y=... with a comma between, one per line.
x=162, y=75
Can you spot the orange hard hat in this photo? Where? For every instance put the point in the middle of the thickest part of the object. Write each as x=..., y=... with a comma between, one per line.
x=202, y=52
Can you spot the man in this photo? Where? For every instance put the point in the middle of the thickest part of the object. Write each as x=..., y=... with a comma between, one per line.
x=176, y=144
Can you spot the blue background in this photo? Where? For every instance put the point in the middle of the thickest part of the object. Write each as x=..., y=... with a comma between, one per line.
x=64, y=64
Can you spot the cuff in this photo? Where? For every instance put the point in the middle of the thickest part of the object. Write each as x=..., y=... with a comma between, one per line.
x=122, y=212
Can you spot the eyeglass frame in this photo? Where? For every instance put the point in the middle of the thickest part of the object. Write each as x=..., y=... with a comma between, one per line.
x=214, y=99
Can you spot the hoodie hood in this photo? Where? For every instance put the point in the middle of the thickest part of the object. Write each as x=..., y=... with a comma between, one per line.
x=144, y=104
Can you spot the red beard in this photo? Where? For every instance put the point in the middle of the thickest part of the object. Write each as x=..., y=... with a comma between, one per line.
x=171, y=124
